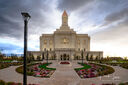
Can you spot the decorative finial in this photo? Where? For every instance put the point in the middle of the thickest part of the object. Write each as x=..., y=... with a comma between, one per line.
x=65, y=13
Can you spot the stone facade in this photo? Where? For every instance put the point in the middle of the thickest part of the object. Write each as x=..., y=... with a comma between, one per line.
x=65, y=43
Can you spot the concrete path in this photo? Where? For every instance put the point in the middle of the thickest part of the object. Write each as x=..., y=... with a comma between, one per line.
x=65, y=75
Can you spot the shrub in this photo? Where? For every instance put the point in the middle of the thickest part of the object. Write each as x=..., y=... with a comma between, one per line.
x=2, y=82
x=124, y=83
x=30, y=73
x=124, y=65
x=10, y=83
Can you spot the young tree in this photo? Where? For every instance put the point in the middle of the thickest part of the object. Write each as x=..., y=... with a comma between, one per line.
x=55, y=56
x=87, y=57
x=32, y=57
x=82, y=55
x=108, y=58
x=42, y=56
x=125, y=58
x=96, y=58
x=38, y=58
x=28, y=59
x=91, y=58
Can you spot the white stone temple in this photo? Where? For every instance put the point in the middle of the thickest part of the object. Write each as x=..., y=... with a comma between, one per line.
x=65, y=44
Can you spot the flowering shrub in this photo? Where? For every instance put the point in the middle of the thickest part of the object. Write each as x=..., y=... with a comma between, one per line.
x=38, y=70
x=64, y=62
x=93, y=70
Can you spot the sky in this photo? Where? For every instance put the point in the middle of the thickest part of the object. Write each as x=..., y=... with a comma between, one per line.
x=105, y=21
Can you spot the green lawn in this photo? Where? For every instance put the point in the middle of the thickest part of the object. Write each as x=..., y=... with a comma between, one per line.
x=85, y=66
x=44, y=66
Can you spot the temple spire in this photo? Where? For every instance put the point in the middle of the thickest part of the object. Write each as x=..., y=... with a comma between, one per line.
x=65, y=13
x=64, y=19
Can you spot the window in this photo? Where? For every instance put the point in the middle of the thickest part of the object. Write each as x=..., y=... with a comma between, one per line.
x=45, y=42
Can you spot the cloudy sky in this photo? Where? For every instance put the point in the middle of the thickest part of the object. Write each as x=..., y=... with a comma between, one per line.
x=106, y=21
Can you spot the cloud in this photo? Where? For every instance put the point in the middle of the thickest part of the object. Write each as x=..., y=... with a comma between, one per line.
x=10, y=48
x=11, y=22
x=112, y=40
x=116, y=16
x=72, y=5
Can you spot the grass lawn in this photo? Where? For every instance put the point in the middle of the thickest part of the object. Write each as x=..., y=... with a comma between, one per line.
x=85, y=66
x=44, y=66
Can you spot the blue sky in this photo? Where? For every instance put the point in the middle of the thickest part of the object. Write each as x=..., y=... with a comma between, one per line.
x=106, y=21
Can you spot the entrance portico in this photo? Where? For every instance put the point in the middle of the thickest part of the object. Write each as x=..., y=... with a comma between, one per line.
x=65, y=53
x=64, y=57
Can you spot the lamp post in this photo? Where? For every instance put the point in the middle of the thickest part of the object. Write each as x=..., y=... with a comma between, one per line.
x=26, y=17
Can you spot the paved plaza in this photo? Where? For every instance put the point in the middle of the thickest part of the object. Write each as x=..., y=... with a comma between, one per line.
x=65, y=75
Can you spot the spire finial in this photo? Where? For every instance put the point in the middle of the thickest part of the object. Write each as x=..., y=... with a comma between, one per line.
x=65, y=13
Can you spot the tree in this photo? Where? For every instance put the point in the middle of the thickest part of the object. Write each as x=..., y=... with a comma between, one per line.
x=82, y=55
x=91, y=58
x=32, y=57
x=55, y=56
x=108, y=58
x=38, y=58
x=96, y=58
x=42, y=56
x=125, y=58
x=28, y=59
x=87, y=57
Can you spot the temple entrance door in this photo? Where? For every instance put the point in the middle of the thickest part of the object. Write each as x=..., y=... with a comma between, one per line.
x=64, y=57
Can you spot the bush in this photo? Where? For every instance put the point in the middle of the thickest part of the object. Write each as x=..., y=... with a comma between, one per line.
x=10, y=83
x=106, y=70
x=124, y=65
x=124, y=83
x=30, y=73
x=2, y=82
x=19, y=69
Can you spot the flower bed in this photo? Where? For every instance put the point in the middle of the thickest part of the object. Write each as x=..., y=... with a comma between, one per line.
x=38, y=70
x=64, y=62
x=93, y=70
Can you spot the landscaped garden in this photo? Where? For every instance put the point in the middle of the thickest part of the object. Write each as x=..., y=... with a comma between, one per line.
x=38, y=70
x=90, y=70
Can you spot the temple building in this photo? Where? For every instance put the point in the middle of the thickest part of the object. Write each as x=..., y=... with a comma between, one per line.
x=65, y=44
